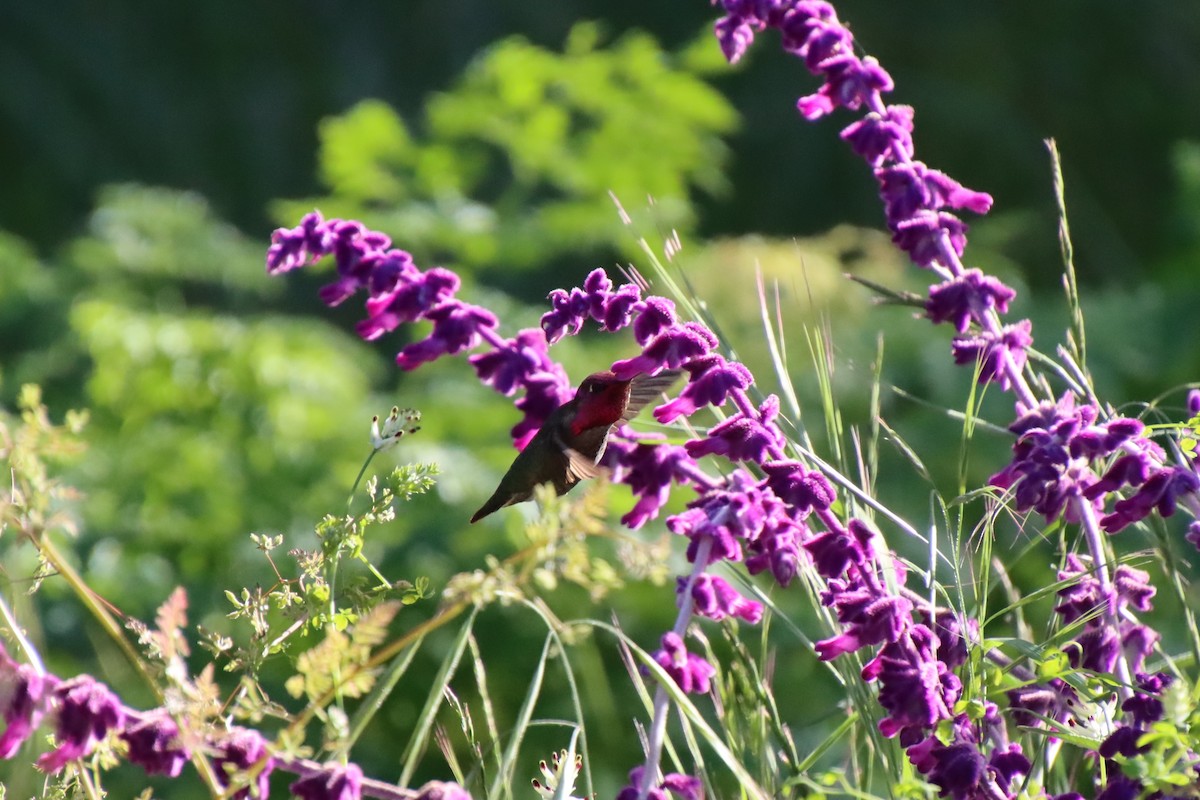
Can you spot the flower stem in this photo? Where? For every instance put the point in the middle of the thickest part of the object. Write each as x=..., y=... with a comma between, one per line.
x=658, y=725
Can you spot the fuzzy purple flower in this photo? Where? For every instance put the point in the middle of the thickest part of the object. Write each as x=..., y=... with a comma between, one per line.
x=242, y=754
x=23, y=695
x=907, y=188
x=597, y=300
x=998, y=355
x=672, y=348
x=457, y=326
x=655, y=315
x=742, y=437
x=1098, y=646
x=711, y=381
x=849, y=83
x=1131, y=587
x=673, y=784
x=958, y=769
x=868, y=616
x=777, y=548
x=1009, y=765
x=1160, y=492
x=965, y=299
x=917, y=690
x=406, y=296
x=954, y=635
x=713, y=597
x=650, y=471
x=691, y=672
x=154, y=743
x=507, y=368
x=333, y=782
x=801, y=488
x=924, y=235
x=86, y=710
x=1053, y=453
x=734, y=35
x=882, y=137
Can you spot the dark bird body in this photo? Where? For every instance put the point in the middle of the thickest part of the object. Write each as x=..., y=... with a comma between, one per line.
x=571, y=442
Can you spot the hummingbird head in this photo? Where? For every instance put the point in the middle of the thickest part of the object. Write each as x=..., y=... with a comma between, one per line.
x=600, y=400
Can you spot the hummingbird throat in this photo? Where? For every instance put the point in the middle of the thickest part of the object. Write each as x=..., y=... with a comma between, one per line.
x=602, y=409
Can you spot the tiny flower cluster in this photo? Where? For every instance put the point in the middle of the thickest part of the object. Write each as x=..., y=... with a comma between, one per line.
x=85, y=713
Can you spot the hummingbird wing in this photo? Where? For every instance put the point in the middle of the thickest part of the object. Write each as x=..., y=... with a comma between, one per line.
x=580, y=465
x=645, y=388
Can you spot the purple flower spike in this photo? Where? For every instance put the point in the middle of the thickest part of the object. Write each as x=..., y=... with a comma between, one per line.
x=292, y=248
x=850, y=82
x=712, y=379
x=1160, y=492
x=879, y=138
x=334, y=782
x=742, y=438
x=87, y=710
x=867, y=617
x=507, y=368
x=965, y=299
x=802, y=489
x=689, y=670
x=154, y=745
x=655, y=315
x=244, y=750
x=910, y=187
x=456, y=327
x=412, y=296
x=734, y=35
x=716, y=599
x=990, y=352
x=673, y=348
x=915, y=688
x=650, y=470
x=567, y=312
x=620, y=307
x=23, y=696
x=921, y=235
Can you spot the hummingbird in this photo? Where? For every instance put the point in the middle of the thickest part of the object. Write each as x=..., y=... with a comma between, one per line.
x=569, y=445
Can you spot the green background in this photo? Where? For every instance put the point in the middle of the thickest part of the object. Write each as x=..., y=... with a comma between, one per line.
x=146, y=153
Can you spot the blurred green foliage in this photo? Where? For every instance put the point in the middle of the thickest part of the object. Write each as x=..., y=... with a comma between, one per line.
x=518, y=163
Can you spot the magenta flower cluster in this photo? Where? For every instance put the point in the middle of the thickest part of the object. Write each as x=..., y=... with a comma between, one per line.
x=85, y=712
x=1069, y=459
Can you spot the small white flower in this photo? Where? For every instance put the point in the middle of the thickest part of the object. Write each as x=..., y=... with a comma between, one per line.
x=560, y=776
x=400, y=422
